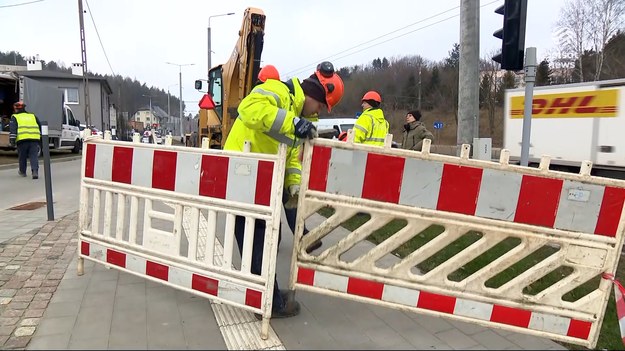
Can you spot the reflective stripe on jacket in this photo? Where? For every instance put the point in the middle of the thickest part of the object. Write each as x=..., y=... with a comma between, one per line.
x=371, y=127
x=27, y=127
x=266, y=119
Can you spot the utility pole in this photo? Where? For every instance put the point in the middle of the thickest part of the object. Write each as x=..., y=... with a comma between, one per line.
x=468, y=82
x=83, y=48
x=530, y=78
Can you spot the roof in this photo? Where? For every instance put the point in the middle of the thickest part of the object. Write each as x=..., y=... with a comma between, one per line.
x=62, y=75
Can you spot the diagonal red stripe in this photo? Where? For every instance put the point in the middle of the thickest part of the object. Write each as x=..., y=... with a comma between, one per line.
x=122, y=164
x=436, y=302
x=164, y=170
x=205, y=284
x=253, y=298
x=460, y=187
x=90, y=160
x=365, y=288
x=84, y=248
x=319, y=166
x=306, y=276
x=579, y=329
x=157, y=270
x=538, y=201
x=610, y=212
x=115, y=257
x=511, y=316
x=214, y=176
x=264, y=178
x=383, y=177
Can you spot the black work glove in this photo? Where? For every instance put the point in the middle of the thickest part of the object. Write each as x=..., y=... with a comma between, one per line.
x=304, y=128
x=12, y=141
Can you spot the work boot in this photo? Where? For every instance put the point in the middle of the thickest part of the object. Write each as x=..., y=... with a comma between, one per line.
x=35, y=175
x=291, y=307
x=314, y=246
x=21, y=174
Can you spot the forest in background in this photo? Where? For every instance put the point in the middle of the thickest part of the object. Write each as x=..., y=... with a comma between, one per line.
x=592, y=47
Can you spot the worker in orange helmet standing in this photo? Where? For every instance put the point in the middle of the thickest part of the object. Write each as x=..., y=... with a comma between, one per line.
x=371, y=127
x=268, y=72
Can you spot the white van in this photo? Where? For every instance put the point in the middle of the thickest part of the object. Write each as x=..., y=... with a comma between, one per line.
x=331, y=127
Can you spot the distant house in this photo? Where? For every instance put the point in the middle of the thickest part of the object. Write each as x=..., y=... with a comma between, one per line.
x=156, y=117
x=73, y=87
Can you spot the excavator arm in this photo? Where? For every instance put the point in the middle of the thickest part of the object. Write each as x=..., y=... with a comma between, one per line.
x=230, y=82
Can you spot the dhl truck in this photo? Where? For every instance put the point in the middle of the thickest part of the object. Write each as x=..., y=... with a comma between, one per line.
x=230, y=82
x=571, y=123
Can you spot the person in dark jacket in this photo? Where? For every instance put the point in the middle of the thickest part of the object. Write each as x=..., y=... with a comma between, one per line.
x=25, y=133
x=414, y=132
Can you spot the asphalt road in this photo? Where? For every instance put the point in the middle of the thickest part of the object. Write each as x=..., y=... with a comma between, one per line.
x=10, y=157
x=16, y=190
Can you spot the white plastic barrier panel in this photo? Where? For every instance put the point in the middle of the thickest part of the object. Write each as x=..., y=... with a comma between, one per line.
x=135, y=198
x=499, y=245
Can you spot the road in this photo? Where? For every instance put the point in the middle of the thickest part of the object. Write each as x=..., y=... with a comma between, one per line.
x=10, y=157
x=17, y=190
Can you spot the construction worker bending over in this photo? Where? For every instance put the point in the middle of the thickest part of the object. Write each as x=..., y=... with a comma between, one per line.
x=371, y=127
x=25, y=132
x=276, y=112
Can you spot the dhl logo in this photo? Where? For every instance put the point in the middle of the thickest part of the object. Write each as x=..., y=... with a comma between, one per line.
x=587, y=104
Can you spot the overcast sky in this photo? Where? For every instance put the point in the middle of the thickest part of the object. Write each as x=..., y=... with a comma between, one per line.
x=139, y=36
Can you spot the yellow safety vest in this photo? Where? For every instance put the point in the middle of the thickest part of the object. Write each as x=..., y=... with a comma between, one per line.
x=371, y=127
x=27, y=127
x=266, y=120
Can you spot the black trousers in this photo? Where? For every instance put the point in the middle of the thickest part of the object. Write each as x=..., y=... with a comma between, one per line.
x=291, y=216
x=257, y=253
x=28, y=149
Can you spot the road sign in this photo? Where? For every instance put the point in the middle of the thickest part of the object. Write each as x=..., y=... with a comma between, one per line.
x=438, y=125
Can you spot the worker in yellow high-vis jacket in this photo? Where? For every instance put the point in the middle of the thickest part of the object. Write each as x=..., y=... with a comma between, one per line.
x=25, y=133
x=371, y=127
x=276, y=112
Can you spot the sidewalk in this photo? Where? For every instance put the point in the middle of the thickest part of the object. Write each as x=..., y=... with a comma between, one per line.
x=45, y=305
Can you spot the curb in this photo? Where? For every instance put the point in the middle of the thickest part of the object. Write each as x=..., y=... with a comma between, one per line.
x=54, y=160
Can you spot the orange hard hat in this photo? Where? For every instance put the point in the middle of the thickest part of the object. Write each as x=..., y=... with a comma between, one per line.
x=268, y=72
x=343, y=136
x=19, y=104
x=372, y=95
x=331, y=82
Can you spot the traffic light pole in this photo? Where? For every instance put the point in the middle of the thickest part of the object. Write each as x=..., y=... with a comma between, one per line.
x=530, y=78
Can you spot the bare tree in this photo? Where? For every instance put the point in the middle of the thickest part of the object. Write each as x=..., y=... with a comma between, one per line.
x=489, y=71
x=572, y=29
x=605, y=19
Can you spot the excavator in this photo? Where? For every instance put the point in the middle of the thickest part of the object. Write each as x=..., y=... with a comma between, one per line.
x=230, y=82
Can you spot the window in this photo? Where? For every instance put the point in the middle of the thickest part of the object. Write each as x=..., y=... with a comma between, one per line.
x=216, y=90
x=71, y=96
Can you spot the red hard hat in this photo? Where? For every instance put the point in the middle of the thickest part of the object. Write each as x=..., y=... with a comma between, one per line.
x=372, y=95
x=331, y=82
x=268, y=72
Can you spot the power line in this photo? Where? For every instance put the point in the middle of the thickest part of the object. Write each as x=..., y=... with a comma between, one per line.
x=21, y=4
x=100, y=39
x=304, y=68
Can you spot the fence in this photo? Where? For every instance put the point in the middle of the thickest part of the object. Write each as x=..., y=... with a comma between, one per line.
x=499, y=245
x=134, y=199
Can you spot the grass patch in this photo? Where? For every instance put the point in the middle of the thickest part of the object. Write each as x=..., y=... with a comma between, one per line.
x=609, y=338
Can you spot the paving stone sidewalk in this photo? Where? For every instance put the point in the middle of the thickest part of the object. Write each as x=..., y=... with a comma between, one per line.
x=31, y=267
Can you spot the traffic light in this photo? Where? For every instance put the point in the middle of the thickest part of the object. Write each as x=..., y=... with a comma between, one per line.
x=512, y=34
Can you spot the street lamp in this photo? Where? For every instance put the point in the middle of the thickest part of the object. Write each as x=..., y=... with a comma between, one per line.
x=209, y=38
x=180, y=84
x=168, y=107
